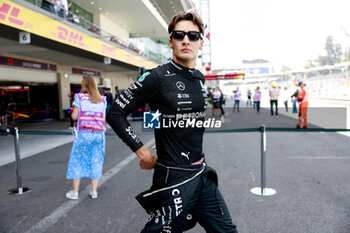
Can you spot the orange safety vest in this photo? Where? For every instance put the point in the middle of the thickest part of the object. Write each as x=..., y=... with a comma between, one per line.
x=303, y=96
x=303, y=99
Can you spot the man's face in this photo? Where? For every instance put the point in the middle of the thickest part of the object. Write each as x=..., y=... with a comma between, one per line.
x=185, y=51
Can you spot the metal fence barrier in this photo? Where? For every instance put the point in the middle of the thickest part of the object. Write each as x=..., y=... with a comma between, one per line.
x=19, y=189
x=261, y=191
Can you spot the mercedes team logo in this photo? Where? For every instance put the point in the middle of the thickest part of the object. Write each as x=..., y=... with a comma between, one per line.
x=180, y=85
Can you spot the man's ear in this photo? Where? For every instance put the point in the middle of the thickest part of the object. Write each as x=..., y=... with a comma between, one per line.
x=202, y=43
x=171, y=43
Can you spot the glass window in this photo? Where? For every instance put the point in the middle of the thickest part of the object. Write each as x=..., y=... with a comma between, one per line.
x=79, y=11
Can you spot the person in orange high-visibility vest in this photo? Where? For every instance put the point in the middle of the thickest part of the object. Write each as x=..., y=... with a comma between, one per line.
x=303, y=99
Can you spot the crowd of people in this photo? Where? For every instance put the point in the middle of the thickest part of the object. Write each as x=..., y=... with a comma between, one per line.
x=130, y=46
x=276, y=94
x=64, y=10
x=58, y=7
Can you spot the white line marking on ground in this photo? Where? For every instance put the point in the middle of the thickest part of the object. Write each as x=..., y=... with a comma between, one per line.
x=344, y=133
x=62, y=210
x=18, y=223
x=319, y=157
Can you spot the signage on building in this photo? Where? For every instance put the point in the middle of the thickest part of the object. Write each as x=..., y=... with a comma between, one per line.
x=9, y=61
x=24, y=37
x=24, y=19
x=258, y=70
x=86, y=72
x=224, y=76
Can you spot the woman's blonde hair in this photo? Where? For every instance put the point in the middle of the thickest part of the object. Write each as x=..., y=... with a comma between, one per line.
x=89, y=86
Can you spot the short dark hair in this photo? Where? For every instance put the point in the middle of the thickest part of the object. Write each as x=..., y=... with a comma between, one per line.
x=191, y=16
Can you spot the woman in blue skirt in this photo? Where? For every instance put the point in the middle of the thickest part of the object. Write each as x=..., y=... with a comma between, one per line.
x=86, y=157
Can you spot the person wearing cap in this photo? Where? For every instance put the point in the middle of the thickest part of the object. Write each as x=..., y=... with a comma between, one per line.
x=274, y=94
x=303, y=100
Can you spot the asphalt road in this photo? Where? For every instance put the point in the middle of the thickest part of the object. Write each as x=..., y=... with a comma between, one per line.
x=309, y=171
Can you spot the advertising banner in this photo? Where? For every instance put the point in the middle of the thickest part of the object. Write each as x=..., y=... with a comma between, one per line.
x=22, y=18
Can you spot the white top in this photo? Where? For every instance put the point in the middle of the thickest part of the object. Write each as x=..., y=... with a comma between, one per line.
x=216, y=94
x=237, y=95
x=285, y=95
x=274, y=93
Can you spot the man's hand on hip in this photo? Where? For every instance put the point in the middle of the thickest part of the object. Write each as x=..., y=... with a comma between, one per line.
x=146, y=159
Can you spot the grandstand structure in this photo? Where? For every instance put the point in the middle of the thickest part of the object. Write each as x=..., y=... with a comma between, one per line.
x=330, y=82
x=45, y=51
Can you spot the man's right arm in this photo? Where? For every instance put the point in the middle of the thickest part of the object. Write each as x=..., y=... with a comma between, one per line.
x=139, y=93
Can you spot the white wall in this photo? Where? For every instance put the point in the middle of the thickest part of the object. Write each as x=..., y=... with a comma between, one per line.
x=26, y=75
x=109, y=26
x=122, y=80
x=78, y=78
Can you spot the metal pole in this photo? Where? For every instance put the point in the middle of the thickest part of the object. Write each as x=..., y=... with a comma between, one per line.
x=19, y=190
x=18, y=158
x=85, y=24
x=263, y=158
x=263, y=191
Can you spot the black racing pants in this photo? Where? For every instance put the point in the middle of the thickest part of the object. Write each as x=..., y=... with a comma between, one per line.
x=201, y=201
x=209, y=209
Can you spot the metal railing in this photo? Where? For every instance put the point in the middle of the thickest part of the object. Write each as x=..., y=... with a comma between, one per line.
x=261, y=191
x=19, y=189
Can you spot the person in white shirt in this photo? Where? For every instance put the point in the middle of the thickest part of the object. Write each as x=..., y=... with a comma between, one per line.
x=257, y=98
x=62, y=8
x=274, y=94
x=285, y=95
x=216, y=102
x=237, y=96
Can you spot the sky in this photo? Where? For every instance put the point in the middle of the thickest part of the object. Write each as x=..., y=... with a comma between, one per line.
x=285, y=32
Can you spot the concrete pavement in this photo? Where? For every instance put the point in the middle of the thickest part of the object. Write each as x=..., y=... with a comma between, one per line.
x=308, y=169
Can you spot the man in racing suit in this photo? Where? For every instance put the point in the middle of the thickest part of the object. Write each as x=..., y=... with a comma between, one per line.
x=184, y=189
